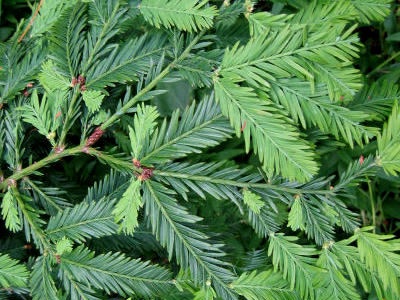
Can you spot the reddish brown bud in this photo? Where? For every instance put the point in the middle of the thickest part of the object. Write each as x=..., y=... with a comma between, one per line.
x=361, y=159
x=58, y=258
x=95, y=136
x=74, y=82
x=28, y=246
x=58, y=114
x=25, y=92
x=83, y=88
x=29, y=84
x=59, y=149
x=146, y=174
x=136, y=163
x=81, y=80
x=341, y=98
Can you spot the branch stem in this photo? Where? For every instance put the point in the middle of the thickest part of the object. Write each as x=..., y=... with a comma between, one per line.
x=371, y=198
x=151, y=85
x=383, y=64
x=239, y=183
x=71, y=107
x=53, y=157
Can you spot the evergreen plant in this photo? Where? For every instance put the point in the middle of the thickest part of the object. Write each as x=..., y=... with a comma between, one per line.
x=186, y=149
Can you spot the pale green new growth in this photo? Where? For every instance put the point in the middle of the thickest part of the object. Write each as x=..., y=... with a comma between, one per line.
x=253, y=201
x=144, y=124
x=9, y=211
x=93, y=100
x=295, y=218
x=64, y=246
x=126, y=210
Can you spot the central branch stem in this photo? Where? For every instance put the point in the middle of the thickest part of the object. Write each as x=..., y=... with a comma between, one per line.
x=151, y=85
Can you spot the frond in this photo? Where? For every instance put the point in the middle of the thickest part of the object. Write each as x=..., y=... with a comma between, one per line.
x=296, y=263
x=355, y=174
x=115, y=273
x=296, y=217
x=50, y=198
x=32, y=221
x=315, y=217
x=93, y=99
x=376, y=99
x=266, y=285
x=229, y=14
x=14, y=138
x=123, y=63
x=75, y=289
x=113, y=185
x=253, y=201
x=266, y=222
x=198, y=67
x=141, y=243
x=336, y=286
x=63, y=245
x=9, y=212
x=315, y=108
x=389, y=143
x=378, y=252
x=24, y=69
x=203, y=179
x=83, y=221
x=51, y=78
x=106, y=19
x=49, y=13
x=38, y=114
x=358, y=271
x=282, y=54
x=313, y=17
x=41, y=281
x=317, y=15
x=196, y=128
x=144, y=123
x=12, y=273
x=342, y=82
x=173, y=227
x=126, y=210
x=371, y=10
x=262, y=22
x=67, y=39
x=259, y=120
x=252, y=260
x=187, y=15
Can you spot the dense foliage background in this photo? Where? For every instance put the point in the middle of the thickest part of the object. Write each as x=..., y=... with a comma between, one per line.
x=183, y=149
